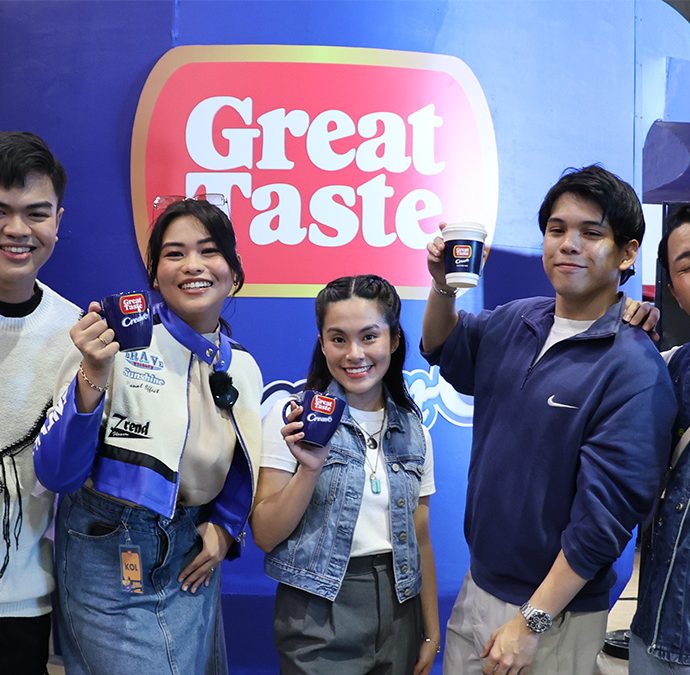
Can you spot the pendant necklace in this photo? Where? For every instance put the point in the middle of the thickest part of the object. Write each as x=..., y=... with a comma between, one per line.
x=372, y=444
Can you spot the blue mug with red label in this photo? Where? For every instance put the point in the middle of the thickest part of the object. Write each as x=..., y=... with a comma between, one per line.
x=130, y=316
x=320, y=416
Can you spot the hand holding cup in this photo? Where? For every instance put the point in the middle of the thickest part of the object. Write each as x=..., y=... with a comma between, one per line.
x=455, y=259
x=434, y=260
x=120, y=322
x=94, y=339
x=96, y=342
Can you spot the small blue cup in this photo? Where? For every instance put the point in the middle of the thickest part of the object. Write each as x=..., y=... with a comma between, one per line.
x=320, y=417
x=130, y=316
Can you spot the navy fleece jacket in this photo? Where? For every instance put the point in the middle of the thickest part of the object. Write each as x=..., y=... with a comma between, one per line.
x=566, y=453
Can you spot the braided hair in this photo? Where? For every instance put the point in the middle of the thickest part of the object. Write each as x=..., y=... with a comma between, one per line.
x=367, y=287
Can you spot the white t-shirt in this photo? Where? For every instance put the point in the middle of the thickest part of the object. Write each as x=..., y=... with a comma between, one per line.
x=563, y=329
x=372, y=529
x=668, y=354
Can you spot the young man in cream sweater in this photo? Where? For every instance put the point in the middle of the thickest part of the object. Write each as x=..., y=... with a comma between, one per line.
x=34, y=325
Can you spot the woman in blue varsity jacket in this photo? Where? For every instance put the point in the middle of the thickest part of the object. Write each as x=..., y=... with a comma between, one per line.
x=154, y=452
x=346, y=527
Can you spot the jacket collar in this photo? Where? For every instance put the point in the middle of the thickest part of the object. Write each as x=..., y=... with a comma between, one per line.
x=540, y=317
x=204, y=349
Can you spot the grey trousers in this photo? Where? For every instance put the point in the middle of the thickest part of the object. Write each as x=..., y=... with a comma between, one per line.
x=570, y=647
x=365, y=631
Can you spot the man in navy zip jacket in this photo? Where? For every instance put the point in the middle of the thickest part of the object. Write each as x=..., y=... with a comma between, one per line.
x=572, y=419
x=660, y=641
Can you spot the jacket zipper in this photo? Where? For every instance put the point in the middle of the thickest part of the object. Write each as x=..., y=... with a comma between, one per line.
x=577, y=336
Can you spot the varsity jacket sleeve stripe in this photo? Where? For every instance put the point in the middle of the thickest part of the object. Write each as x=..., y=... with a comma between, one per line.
x=65, y=449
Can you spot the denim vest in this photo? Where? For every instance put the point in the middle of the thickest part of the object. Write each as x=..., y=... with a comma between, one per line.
x=662, y=619
x=314, y=557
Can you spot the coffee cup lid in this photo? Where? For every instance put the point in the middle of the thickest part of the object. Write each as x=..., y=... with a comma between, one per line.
x=467, y=227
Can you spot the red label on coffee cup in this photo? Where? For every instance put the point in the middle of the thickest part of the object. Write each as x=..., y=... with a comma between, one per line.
x=462, y=251
x=134, y=303
x=319, y=183
x=323, y=404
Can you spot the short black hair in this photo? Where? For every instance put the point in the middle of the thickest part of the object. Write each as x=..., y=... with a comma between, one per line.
x=23, y=153
x=617, y=200
x=680, y=216
x=217, y=225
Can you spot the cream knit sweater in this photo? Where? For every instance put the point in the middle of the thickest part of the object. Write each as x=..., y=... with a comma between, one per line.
x=31, y=350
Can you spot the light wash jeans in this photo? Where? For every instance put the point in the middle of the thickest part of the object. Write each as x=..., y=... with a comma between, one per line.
x=644, y=663
x=104, y=630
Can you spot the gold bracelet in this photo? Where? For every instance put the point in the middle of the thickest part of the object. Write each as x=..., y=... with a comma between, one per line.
x=95, y=387
x=442, y=291
x=435, y=642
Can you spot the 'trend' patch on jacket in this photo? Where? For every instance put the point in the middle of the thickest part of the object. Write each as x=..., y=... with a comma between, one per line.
x=127, y=428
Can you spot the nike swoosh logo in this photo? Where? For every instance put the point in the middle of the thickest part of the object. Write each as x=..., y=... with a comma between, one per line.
x=555, y=404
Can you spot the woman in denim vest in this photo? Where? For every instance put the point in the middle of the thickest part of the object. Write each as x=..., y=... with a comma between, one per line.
x=346, y=527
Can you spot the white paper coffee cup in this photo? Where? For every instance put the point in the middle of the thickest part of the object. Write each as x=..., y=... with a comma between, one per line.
x=464, y=253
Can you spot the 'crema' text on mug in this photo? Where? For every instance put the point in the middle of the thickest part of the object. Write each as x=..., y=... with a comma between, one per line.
x=312, y=417
x=131, y=320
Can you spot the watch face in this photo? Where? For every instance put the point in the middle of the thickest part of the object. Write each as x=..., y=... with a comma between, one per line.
x=539, y=621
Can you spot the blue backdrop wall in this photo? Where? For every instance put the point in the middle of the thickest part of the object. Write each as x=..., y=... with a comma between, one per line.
x=568, y=83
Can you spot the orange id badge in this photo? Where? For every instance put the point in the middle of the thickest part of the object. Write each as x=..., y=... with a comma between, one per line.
x=130, y=567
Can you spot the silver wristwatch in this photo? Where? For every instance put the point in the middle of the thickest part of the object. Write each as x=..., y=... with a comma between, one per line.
x=538, y=621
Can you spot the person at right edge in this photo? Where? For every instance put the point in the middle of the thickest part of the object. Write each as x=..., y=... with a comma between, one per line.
x=572, y=415
x=659, y=643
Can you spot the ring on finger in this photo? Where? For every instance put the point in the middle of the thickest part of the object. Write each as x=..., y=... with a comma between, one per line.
x=105, y=344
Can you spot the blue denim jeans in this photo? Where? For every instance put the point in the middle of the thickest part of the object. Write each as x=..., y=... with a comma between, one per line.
x=644, y=663
x=105, y=630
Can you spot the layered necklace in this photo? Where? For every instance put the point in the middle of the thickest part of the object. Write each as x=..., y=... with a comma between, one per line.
x=373, y=444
